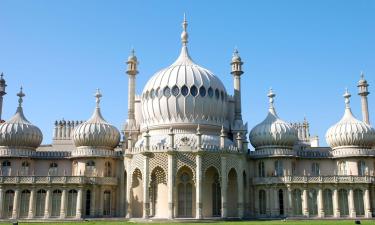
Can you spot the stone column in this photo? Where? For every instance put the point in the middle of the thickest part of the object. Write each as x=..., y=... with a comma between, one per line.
x=16, y=202
x=320, y=203
x=79, y=204
x=63, y=204
x=93, y=201
x=269, y=204
x=224, y=184
x=47, y=204
x=122, y=194
x=372, y=197
x=198, y=191
x=146, y=195
x=289, y=198
x=129, y=176
x=336, y=207
x=171, y=182
x=366, y=200
x=305, y=201
x=240, y=191
x=31, y=213
x=256, y=202
x=276, y=208
x=1, y=201
x=101, y=201
x=352, y=212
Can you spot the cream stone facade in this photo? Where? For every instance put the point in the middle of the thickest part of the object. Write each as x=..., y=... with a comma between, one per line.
x=185, y=154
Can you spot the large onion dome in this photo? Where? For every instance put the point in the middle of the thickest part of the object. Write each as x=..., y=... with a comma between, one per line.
x=184, y=93
x=349, y=131
x=273, y=132
x=96, y=132
x=18, y=132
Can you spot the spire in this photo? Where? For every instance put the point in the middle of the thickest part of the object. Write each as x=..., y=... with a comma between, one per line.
x=20, y=96
x=184, y=57
x=98, y=95
x=347, y=96
x=271, y=95
x=363, y=92
x=184, y=34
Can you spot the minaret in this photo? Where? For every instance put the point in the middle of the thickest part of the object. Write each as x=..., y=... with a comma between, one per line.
x=237, y=72
x=2, y=93
x=132, y=72
x=363, y=92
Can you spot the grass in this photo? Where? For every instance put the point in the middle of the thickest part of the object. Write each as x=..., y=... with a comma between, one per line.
x=260, y=222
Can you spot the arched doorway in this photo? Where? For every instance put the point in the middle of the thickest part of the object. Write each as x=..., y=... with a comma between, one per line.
x=358, y=202
x=158, y=193
x=297, y=202
x=313, y=202
x=211, y=193
x=56, y=203
x=327, y=202
x=232, y=194
x=24, y=205
x=137, y=194
x=8, y=204
x=185, y=193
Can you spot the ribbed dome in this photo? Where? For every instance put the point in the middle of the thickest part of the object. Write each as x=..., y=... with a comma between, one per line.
x=273, y=132
x=349, y=131
x=184, y=93
x=96, y=132
x=18, y=132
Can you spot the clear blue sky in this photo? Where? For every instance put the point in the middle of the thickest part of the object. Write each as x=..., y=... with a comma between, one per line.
x=308, y=51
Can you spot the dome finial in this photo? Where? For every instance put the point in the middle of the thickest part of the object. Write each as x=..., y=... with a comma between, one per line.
x=184, y=34
x=271, y=95
x=98, y=95
x=20, y=95
x=347, y=96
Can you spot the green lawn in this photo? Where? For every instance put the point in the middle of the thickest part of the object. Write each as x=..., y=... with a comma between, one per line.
x=265, y=222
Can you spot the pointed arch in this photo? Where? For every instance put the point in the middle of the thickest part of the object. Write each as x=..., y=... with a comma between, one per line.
x=212, y=193
x=232, y=193
x=185, y=192
x=137, y=197
x=158, y=190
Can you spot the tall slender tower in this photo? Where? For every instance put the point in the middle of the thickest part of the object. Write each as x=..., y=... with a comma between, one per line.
x=237, y=72
x=2, y=93
x=131, y=125
x=363, y=92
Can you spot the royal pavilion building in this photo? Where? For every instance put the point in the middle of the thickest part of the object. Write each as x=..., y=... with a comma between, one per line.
x=183, y=152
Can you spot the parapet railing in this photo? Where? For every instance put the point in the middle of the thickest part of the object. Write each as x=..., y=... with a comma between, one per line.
x=57, y=180
x=313, y=179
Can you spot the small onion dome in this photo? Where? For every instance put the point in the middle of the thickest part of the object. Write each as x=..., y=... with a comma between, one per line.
x=96, y=132
x=362, y=81
x=132, y=57
x=18, y=132
x=350, y=132
x=236, y=57
x=273, y=132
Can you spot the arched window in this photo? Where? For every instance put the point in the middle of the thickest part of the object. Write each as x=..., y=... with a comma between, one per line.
x=52, y=171
x=107, y=169
x=358, y=202
x=90, y=168
x=56, y=203
x=313, y=202
x=24, y=205
x=297, y=202
x=279, y=170
x=24, y=168
x=216, y=196
x=210, y=92
x=361, y=165
x=261, y=171
x=343, y=202
x=294, y=170
x=167, y=92
x=6, y=168
x=193, y=91
x=202, y=91
x=327, y=202
x=185, y=195
x=262, y=202
x=107, y=203
x=40, y=202
x=342, y=168
x=8, y=204
x=72, y=203
x=217, y=93
x=315, y=170
x=175, y=90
